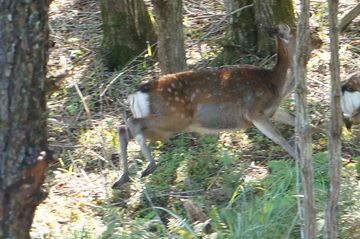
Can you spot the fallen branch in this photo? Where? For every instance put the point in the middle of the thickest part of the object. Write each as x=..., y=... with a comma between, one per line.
x=347, y=19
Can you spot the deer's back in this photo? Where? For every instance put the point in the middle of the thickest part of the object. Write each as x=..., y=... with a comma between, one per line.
x=210, y=100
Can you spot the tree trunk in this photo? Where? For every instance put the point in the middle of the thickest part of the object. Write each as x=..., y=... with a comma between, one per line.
x=330, y=229
x=246, y=32
x=302, y=127
x=269, y=14
x=23, y=133
x=241, y=30
x=127, y=29
x=171, y=46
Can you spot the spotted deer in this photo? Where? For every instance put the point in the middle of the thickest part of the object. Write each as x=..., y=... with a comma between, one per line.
x=350, y=100
x=208, y=101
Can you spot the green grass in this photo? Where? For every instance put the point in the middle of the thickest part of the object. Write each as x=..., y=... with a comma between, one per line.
x=209, y=173
x=268, y=209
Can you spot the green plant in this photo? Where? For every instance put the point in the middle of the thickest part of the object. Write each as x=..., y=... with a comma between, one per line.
x=357, y=165
x=83, y=233
x=72, y=106
x=267, y=209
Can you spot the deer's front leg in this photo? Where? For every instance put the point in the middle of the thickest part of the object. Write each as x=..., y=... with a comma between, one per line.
x=284, y=117
x=264, y=125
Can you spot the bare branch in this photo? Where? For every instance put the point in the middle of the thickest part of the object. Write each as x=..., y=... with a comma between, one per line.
x=330, y=229
x=302, y=127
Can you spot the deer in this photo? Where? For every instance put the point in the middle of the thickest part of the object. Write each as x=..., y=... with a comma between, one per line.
x=208, y=101
x=350, y=100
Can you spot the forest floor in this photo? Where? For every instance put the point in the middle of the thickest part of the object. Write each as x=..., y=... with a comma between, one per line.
x=203, y=173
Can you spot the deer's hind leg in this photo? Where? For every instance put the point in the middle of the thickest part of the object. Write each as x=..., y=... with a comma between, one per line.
x=153, y=127
x=125, y=134
x=133, y=129
x=137, y=126
x=124, y=137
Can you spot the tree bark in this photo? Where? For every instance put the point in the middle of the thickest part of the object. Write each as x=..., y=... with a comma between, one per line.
x=241, y=30
x=23, y=134
x=127, y=29
x=269, y=14
x=330, y=229
x=302, y=127
x=246, y=32
x=171, y=46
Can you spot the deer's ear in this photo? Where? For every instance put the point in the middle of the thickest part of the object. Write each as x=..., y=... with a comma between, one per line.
x=283, y=31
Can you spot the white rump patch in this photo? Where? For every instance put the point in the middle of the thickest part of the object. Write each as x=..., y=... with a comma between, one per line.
x=350, y=102
x=139, y=104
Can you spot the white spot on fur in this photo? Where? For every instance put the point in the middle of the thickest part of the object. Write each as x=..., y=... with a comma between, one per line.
x=350, y=103
x=139, y=104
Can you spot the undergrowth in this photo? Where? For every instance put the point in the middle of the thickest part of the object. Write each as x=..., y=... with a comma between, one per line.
x=235, y=206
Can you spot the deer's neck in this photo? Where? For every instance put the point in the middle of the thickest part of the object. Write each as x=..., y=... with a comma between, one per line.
x=281, y=71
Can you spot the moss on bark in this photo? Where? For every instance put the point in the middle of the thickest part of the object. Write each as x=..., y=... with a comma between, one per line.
x=127, y=29
x=268, y=14
x=240, y=36
x=246, y=32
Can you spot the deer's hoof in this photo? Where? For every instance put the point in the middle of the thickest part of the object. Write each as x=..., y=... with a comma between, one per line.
x=149, y=169
x=121, y=180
